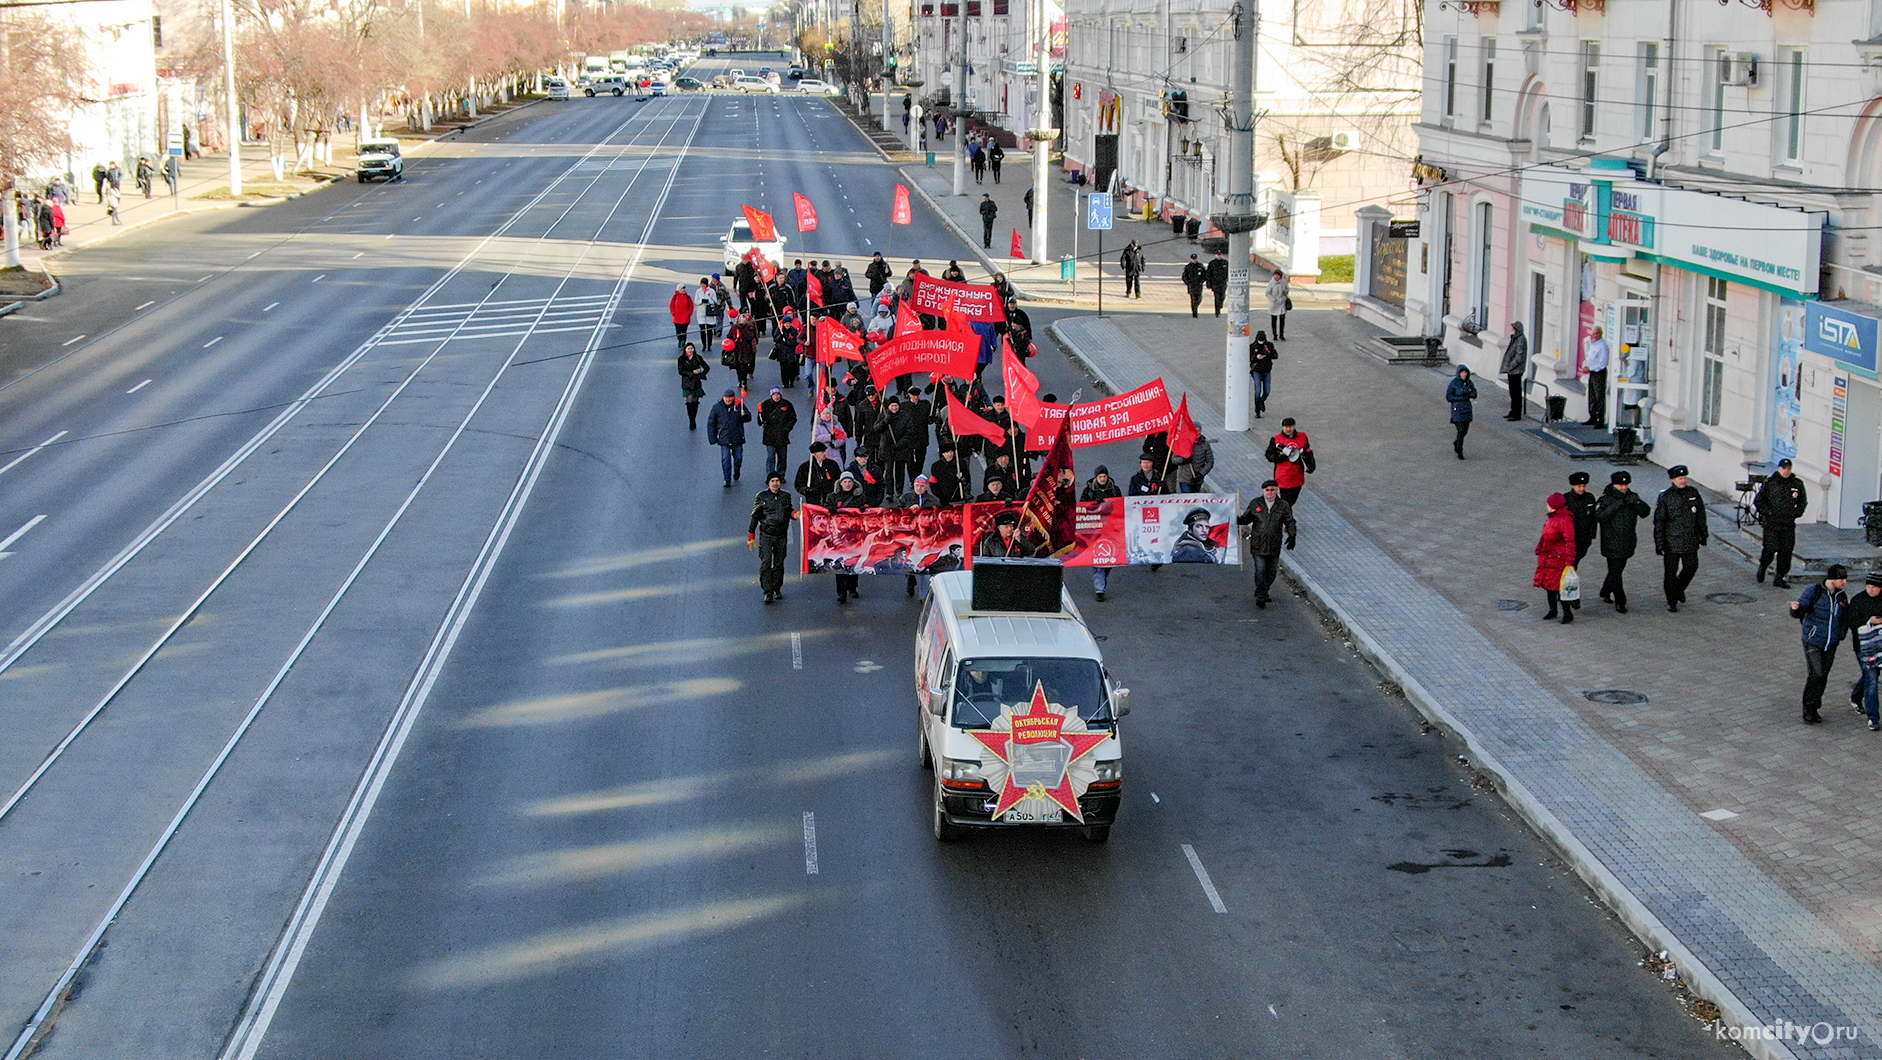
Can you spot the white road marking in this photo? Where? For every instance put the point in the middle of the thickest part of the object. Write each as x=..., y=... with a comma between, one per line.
x=16, y=460
x=1202, y=876
x=146, y=305
x=212, y=342
x=1153, y=797
x=138, y=387
x=17, y=534
x=269, y=306
x=810, y=840
x=389, y=235
x=205, y=279
x=1710, y=815
x=255, y=255
x=797, y=651
x=1273, y=1013
x=319, y=278
x=71, y=340
x=361, y=254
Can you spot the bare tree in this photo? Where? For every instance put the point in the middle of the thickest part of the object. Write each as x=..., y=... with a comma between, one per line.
x=43, y=71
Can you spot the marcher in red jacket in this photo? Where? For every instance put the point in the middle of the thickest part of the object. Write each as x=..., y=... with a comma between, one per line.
x=681, y=309
x=1555, y=553
x=1292, y=457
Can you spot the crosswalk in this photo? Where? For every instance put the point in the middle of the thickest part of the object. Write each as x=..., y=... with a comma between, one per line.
x=623, y=164
x=467, y=321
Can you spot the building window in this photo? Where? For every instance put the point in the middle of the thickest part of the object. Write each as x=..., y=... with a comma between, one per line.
x=1875, y=19
x=1721, y=64
x=1712, y=374
x=1450, y=77
x=156, y=32
x=1480, y=308
x=1590, y=76
x=1790, y=101
x=1647, y=86
x=1487, y=88
x=1532, y=11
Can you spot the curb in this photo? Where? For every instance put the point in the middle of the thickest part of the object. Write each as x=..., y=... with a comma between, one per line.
x=1639, y=919
x=14, y=305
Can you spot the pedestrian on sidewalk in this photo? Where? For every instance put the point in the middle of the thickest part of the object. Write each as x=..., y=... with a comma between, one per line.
x=1460, y=392
x=976, y=159
x=996, y=155
x=1292, y=457
x=777, y=418
x=1270, y=522
x=98, y=180
x=1679, y=532
x=113, y=197
x=57, y=191
x=56, y=216
x=988, y=211
x=1261, y=355
x=1100, y=487
x=770, y=532
x=114, y=176
x=1217, y=277
x=1617, y=511
x=1194, y=276
x=1780, y=503
x=725, y=428
x=172, y=172
x=680, y=308
x=146, y=174
x=1028, y=207
x=1132, y=262
x=47, y=222
x=1581, y=505
x=1515, y=365
x=693, y=372
x=1821, y=609
x=1279, y=302
x=1863, y=616
x=1555, y=554
x=1595, y=365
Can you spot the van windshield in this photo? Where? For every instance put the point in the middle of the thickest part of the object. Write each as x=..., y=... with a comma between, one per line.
x=982, y=685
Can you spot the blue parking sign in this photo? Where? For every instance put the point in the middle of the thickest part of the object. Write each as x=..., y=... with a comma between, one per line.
x=1098, y=216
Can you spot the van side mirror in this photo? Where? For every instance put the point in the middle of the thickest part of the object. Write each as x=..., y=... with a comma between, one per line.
x=1120, y=702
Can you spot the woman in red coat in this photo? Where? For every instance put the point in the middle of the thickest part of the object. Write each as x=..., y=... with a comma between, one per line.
x=1555, y=553
x=680, y=306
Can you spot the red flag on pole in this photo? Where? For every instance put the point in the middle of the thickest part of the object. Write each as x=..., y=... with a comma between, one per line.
x=904, y=214
x=834, y=341
x=1183, y=433
x=806, y=213
x=815, y=286
x=1022, y=388
x=1051, y=505
x=1018, y=252
x=763, y=228
x=963, y=421
x=907, y=321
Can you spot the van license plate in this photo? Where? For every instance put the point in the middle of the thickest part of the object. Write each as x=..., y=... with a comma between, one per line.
x=1048, y=817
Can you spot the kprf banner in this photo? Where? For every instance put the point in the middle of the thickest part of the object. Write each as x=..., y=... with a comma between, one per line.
x=1182, y=528
x=1097, y=532
x=806, y=213
x=1145, y=410
x=949, y=353
x=834, y=341
x=1045, y=429
x=763, y=228
x=902, y=213
x=883, y=540
x=978, y=302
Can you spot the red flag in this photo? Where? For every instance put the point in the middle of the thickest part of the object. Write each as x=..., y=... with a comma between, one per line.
x=907, y=321
x=763, y=228
x=1018, y=252
x=1183, y=433
x=834, y=341
x=815, y=287
x=963, y=421
x=1048, y=518
x=903, y=214
x=806, y=213
x=1022, y=388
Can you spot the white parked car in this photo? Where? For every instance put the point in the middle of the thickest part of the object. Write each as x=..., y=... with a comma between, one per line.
x=754, y=84
x=557, y=87
x=810, y=86
x=739, y=242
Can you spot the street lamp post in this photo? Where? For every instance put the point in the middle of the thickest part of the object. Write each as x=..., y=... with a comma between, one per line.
x=235, y=106
x=1043, y=135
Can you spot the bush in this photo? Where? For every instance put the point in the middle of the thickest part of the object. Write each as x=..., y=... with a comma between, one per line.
x=1336, y=268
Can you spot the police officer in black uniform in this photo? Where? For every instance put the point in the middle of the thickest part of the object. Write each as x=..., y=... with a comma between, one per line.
x=1679, y=532
x=1780, y=503
x=770, y=531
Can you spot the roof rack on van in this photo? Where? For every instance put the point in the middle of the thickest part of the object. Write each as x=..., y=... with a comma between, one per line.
x=1033, y=586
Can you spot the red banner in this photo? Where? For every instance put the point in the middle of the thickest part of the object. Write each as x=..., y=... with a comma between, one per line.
x=806, y=213
x=1045, y=430
x=1022, y=388
x=907, y=321
x=1047, y=517
x=1145, y=410
x=883, y=540
x=903, y=213
x=964, y=421
x=1183, y=431
x=978, y=302
x=834, y=341
x=763, y=228
x=1097, y=531
x=949, y=353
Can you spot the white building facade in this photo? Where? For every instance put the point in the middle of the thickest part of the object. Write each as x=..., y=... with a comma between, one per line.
x=1002, y=49
x=117, y=121
x=1699, y=182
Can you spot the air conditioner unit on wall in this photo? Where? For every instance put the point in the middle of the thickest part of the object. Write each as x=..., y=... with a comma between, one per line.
x=1741, y=68
x=1344, y=140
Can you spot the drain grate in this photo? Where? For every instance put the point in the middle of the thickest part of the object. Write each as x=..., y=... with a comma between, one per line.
x=1511, y=605
x=1729, y=598
x=1618, y=696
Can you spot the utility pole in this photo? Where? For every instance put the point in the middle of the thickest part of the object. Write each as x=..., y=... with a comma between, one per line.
x=228, y=89
x=11, y=203
x=1043, y=135
x=960, y=101
x=888, y=79
x=1239, y=218
x=470, y=97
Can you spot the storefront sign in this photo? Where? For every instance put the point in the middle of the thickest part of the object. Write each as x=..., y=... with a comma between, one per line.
x=1841, y=335
x=1387, y=283
x=1787, y=410
x=1839, y=412
x=1401, y=230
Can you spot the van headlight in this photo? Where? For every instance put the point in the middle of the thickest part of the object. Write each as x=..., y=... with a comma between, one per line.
x=1110, y=773
x=962, y=773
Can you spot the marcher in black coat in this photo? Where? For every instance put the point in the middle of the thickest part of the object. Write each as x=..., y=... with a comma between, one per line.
x=777, y=418
x=1581, y=508
x=770, y=534
x=952, y=477
x=1271, y=527
x=1194, y=277
x=1679, y=532
x=1781, y=501
x=1617, y=512
x=817, y=477
x=1218, y=280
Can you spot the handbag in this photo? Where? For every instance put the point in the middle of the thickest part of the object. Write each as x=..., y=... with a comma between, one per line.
x=1571, y=585
x=1287, y=303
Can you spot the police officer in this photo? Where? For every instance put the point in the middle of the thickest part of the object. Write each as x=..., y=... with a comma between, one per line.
x=1679, y=532
x=1780, y=503
x=1194, y=276
x=1619, y=509
x=769, y=532
x=1581, y=506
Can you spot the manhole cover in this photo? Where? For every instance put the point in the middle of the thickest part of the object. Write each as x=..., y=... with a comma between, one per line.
x=1511, y=605
x=1729, y=598
x=1616, y=696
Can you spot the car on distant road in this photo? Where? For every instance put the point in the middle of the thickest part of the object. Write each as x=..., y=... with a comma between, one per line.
x=739, y=242
x=556, y=87
x=688, y=84
x=659, y=88
x=379, y=159
x=796, y=72
x=810, y=86
x=612, y=83
x=754, y=84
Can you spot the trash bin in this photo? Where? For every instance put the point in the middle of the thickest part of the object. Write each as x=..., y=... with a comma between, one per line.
x=1067, y=268
x=931, y=160
x=1872, y=522
x=1558, y=408
x=1192, y=228
x=1176, y=224
x=1626, y=440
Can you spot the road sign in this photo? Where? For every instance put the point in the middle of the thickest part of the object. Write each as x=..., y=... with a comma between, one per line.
x=176, y=144
x=1098, y=216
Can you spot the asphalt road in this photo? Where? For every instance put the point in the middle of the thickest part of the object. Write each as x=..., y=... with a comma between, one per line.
x=387, y=677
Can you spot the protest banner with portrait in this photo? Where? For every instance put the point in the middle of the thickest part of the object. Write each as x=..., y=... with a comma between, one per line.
x=883, y=540
x=1182, y=528
x=1097, y=532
